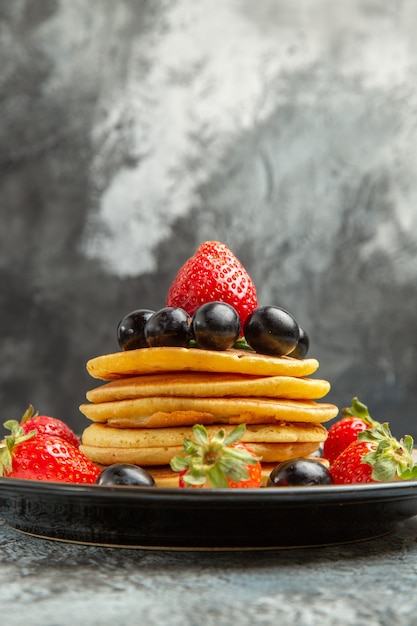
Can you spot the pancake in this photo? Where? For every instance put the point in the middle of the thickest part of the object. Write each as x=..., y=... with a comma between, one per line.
x=276, y=442
x=161, y=411
x=270, y=452
x=169, y=359
x=210, y=384
x=101, y=435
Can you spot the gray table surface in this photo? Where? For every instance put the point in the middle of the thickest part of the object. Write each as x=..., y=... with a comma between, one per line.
x=50, y=583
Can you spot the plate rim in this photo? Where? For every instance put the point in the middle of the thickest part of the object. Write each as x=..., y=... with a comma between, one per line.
x=143, y=505
x=351, y=491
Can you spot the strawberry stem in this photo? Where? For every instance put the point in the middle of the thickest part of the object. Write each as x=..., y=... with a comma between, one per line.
x=9, y=442
x=215, y=459
x=391, y=458
x=30, y=412
x=358, y=409
x=240, y=344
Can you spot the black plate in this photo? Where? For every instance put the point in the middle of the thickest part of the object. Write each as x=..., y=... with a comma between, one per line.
x=206, y=519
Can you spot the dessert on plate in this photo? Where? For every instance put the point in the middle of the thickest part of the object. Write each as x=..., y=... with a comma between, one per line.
x=212, y=390
x=213, y=357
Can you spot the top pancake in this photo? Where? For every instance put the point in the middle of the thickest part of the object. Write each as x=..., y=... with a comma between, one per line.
x=169, y=359
x=209, y=384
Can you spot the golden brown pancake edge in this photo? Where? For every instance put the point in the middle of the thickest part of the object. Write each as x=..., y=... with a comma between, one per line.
x=232, y=410
x=209, y=384
x=269, y=452
x=167, y=359
x=103, y=436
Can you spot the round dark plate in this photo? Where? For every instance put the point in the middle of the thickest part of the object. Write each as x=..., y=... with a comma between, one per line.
x=206, y=519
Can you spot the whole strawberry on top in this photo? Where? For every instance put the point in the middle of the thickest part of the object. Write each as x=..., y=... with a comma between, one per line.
x=220, y=462
x=47, y=425
x=374, y=456
x=45, y=457
x=213, y=274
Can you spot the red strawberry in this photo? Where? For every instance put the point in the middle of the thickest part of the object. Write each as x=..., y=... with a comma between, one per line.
x=43, y=457
x=376, y=456
x=47, y=425
x=349, y=466
x=340, y=435
x=355, y=419
x=213, y=274
x=220, y=462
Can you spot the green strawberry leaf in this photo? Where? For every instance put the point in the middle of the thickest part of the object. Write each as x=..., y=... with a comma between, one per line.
x=358, y=409
x=390, y=458
x=194, y=478
x=235, y=435
x=216, y=460
x=242, y=344
x=409, y=474
x=189, y=446
x=217, y=477
x=384, y=468
x=408, y=443
x=30, y=412
x=179, y=463
x=5, y=461
x=241, y=455
x=234, y=472
x=17, y=435
x=200, y=434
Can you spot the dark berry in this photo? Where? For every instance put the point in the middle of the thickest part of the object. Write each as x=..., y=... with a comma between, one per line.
x=125, y=474
x=301, y=349
x=297, y=472
x=215, y=326
x=130, y=331
x=168, y=327
x=271, y=330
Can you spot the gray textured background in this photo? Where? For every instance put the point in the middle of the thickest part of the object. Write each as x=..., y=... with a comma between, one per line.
x=131, y=131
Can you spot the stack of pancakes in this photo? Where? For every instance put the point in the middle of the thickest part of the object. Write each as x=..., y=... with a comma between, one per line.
x=156, y=395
